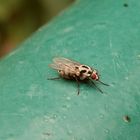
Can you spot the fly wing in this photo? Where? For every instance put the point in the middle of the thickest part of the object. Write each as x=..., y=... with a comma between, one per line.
x=65, y=61
x=61, y=63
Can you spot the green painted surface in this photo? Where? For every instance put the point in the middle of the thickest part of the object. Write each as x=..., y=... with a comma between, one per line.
x=104, y=34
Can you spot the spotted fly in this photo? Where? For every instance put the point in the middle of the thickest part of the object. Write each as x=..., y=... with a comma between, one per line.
x=69, y=69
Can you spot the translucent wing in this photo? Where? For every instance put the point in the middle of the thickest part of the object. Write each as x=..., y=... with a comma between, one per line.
x=61, y=63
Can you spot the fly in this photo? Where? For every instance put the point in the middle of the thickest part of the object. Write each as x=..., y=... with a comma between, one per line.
x=69, y=69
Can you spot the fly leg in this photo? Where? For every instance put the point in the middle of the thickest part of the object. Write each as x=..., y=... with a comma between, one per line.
x=55, y=78
x=78, y=85
x=103, y=83
x=95, y=86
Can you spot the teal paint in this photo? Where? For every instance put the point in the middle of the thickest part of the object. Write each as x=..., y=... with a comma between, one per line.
x=102, y=34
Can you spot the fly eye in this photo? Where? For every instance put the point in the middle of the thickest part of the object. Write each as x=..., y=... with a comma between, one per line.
x=89, y=72
x=83, y=71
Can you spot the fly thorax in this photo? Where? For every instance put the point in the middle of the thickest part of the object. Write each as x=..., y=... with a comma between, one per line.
x=77, y=72
x=85, y=72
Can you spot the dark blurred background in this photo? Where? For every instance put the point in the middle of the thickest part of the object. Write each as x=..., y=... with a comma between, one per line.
x=20, y=18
